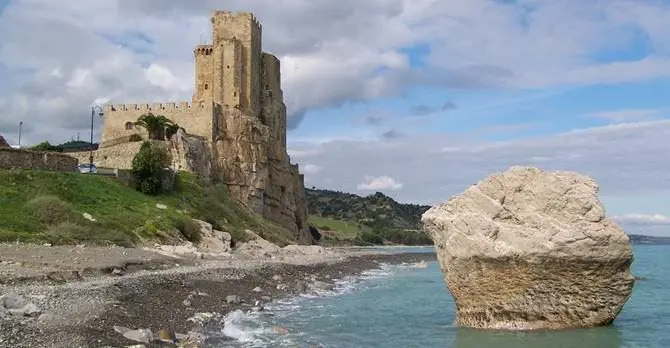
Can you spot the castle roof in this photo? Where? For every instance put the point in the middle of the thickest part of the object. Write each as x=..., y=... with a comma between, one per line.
x=3, y=142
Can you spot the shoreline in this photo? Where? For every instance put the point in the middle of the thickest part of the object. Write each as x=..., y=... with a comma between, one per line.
x=84, y=313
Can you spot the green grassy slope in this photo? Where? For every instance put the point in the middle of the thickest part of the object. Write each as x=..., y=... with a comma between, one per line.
x=372, y=219
x=49, y=206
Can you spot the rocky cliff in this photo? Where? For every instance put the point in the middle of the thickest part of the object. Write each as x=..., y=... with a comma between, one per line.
x=529, y=249
x=252, y=162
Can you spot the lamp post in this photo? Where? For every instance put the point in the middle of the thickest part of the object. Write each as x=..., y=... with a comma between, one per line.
x=100, y=113
x=20, y=126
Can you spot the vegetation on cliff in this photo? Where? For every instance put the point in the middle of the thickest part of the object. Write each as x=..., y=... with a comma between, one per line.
x=69, y=146
x=65, y=208
x=345, y=218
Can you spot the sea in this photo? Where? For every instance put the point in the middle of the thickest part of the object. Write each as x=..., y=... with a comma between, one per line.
x=409, y=306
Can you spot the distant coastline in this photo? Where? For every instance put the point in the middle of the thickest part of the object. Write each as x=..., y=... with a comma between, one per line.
x=644, y=239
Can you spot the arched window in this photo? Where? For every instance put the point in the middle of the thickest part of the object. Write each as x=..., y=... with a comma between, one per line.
x=206, y=86
x=129, y=125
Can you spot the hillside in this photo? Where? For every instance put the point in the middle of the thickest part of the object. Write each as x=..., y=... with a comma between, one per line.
x=642, y=239
x=374, y=219
x=50, y=206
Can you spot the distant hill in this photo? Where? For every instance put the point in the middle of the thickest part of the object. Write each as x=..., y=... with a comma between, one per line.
x=642, y=239
x=373, y=219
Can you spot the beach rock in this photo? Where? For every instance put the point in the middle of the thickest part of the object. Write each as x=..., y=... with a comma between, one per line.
x=212, y=240
x=258, y=247
x=18, y=306
x=233, y=299
x=257, y=289
x=277, y=278
x=530, y=249
x=300, y=286
x=319, y=285
x=166, y=336
x=304, y=250
x=139, y=335
x=201, y=318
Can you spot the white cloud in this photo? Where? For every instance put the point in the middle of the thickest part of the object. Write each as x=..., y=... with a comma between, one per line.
x=625, y=159
x=627, y=115
x=332, y=52
x=643, y=219
x=379, y=183
x=310, y=168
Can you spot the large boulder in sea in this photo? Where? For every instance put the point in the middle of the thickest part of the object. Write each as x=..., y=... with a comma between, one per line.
x=529, y=249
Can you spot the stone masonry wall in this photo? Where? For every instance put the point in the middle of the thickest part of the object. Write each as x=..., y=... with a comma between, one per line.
x=245, y=28
x=196, y=118
x=37, y=160
x=118, y=156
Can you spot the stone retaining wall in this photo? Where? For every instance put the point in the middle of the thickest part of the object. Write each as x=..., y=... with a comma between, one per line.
x=37, y=160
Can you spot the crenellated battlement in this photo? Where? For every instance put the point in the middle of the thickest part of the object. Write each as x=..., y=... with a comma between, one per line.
x=157, y=107
x=204, y=50
x=227, y=16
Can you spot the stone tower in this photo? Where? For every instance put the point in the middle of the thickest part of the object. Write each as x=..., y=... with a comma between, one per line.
x=228, y=71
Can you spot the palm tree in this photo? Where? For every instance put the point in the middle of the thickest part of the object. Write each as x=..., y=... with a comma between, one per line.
x=155, y=125
x=170, y=130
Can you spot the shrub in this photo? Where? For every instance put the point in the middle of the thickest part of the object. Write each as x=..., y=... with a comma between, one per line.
x=372, y=238
x=50, y=209
x=188, y=228
x=149, y=169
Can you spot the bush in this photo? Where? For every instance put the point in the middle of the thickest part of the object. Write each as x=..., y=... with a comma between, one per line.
x=51, y=210
x=149, y=169
x=70, y=233
x=188, y=228
x=372, y=238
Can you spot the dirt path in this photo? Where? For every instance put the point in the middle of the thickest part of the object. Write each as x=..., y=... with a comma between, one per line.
x=29, y=263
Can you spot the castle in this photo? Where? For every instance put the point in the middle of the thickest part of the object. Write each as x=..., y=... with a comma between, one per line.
x=236, y=119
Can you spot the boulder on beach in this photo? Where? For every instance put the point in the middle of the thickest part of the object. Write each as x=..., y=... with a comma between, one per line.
x=258, y=247
x=530, y=249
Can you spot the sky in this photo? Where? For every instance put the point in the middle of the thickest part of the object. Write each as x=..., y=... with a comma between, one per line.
x=418, y=99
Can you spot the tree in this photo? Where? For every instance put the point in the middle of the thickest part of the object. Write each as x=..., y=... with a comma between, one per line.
x=170, y=130
x=46, y=146
x=150, y=168
x=155, y=125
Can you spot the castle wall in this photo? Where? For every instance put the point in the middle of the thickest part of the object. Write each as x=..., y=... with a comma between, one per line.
x=273, y=109
x=36, y=160
x=271, y=77
x=196, y=118
x=229, y=72
x=204, y=73
x=245, y=28
x=118, y=156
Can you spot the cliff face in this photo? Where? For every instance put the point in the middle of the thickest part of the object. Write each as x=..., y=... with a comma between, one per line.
x=257, y=174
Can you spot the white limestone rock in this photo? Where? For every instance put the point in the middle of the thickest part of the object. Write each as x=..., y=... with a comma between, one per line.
x=530, y=249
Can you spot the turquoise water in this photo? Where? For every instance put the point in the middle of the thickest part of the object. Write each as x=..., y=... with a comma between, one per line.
x=405, y=306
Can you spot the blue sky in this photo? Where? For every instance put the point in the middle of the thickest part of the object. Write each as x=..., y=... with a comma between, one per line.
x=417, y=99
